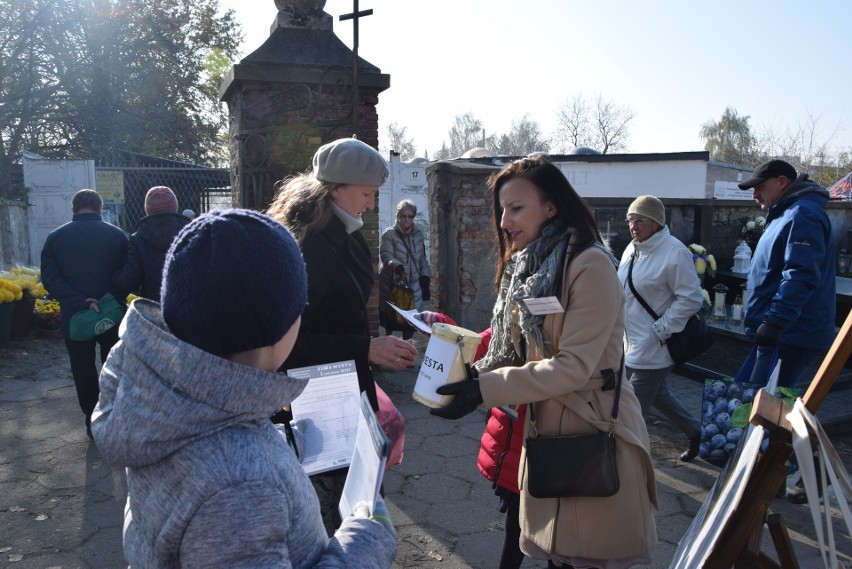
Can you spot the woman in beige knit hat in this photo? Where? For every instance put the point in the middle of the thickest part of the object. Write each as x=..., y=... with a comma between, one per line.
x=661, y=270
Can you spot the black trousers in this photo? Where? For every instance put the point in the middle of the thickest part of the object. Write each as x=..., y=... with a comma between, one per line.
x=84, y=369
x=511, y=557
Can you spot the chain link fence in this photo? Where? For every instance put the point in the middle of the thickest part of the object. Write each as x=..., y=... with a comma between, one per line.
x=196, y=188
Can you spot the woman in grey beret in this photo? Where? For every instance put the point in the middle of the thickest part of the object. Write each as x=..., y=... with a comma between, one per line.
x=323, y=210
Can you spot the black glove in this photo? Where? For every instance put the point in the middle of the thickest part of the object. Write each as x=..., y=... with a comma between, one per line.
x=467, y=397
x=767, y=335
x=424, y=288
x=399, y=269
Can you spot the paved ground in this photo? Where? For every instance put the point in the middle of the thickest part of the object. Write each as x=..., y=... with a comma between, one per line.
x=61, y=506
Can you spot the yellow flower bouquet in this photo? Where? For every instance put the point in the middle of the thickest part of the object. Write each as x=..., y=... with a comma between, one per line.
x=10, y=291
x=17, y=282
x=705, y=265
x=47, y=313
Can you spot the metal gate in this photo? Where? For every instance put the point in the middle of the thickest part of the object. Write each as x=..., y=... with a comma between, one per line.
x=197, y=188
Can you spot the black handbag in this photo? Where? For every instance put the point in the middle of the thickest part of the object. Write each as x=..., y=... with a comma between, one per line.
x=693, y=340
x=574, y=466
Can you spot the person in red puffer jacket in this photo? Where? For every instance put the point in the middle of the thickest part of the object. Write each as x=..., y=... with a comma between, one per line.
x=499, y=456
x=498, y=460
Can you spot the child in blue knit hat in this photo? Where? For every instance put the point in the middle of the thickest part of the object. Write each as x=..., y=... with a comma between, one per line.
x=185, y=400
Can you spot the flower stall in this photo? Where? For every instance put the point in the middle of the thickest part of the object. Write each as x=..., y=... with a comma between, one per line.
x=48, y=317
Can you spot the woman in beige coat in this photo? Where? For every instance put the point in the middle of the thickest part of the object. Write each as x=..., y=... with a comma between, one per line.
x=550, y=247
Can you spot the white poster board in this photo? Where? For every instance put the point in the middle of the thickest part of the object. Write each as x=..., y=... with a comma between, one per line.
x=730, y=191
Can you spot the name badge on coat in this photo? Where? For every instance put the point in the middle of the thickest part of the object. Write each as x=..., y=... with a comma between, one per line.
x=545, y=305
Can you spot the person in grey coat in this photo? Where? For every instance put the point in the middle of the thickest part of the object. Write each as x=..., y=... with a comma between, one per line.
x=185, y=403
x=402, y=253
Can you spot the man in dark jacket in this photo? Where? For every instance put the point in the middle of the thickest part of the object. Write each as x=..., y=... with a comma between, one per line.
x=146, y=256
x=77, y=264
x=791, y=284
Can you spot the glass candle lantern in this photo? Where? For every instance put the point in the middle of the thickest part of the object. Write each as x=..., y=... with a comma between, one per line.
x=742, y=258
x=737, y=310
x=720, y=310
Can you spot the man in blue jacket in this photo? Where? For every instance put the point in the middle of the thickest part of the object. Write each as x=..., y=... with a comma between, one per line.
x=791, y=286
x=77, y=264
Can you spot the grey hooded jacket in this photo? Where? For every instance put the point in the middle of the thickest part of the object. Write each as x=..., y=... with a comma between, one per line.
x=211, y=482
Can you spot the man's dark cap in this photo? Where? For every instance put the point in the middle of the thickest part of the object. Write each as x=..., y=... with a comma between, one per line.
x=769, y=169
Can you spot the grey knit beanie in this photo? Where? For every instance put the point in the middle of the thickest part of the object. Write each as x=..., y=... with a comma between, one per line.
x=650, y=207
x=234, y=280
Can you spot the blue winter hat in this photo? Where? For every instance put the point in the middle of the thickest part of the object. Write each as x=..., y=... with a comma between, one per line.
x=234, y=280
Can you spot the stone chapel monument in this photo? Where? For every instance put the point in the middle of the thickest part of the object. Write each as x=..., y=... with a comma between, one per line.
x=302, y=88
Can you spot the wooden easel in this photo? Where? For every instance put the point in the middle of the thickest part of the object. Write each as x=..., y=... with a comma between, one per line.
x=732, y=548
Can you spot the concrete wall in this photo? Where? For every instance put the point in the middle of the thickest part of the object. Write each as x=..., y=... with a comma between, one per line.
x=51, y=185
x=14, y=237
x=663, y=177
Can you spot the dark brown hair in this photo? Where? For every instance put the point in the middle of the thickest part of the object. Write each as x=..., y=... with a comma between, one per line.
x=87, y=199
x=555, y=187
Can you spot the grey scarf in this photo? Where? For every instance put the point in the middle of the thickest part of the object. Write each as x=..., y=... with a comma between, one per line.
x=533, y=272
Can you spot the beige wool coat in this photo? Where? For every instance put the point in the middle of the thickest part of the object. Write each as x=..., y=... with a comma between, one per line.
x=566, y=389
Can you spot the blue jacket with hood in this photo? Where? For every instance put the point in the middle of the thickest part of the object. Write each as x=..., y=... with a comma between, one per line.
x=791, y=282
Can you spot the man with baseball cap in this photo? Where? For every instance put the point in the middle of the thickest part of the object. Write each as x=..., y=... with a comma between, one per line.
x=791, y=286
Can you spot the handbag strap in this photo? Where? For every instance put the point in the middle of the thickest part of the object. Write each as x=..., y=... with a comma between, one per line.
x=400, y=280
x=635, y=292
x=411, y=260
x=613, y=381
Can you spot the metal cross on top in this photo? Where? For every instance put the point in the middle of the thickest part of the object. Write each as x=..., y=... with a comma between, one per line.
x=355, y=16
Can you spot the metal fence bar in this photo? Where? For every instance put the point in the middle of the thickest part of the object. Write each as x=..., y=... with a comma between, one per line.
x=196, y=188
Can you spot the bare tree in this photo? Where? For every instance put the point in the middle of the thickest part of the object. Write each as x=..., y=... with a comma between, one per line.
x=572, y=128
x=601, y=124
x=611, y=122
x=524, y=137
x=730, y=139
x=807, y=146
x=467, y=132
x=398, y=141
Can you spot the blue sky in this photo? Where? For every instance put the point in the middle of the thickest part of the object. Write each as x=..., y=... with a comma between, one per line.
x=676, y=64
